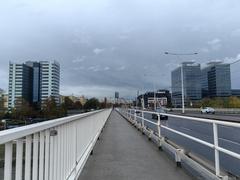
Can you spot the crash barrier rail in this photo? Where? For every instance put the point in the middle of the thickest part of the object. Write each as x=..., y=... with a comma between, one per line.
x=52, y=150
x=217, y=110
x=133, y=114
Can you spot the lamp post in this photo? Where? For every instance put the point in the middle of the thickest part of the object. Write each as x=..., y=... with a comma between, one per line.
x=154, y=94
x=182, y=84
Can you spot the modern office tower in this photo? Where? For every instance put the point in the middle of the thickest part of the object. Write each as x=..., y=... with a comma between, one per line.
x=20, y=84
x=50, y=80
x=33, y=82
x=191, y=84
x=216, y=80
x=36, y=68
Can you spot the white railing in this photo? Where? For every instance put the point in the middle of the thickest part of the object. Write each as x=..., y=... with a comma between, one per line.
x=132, y=114
x=52, y=150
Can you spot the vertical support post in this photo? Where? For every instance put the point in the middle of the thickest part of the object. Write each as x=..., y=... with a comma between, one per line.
x=215, y=136
x=183, y=103
x=51, y=156
x=142, y=120
x=47, y=152
x=159, y=132
x=35, y=156
x=159, y=126
x=135, y=116
x=19, y=159
x=75, y=146
x=155, y=102
x=8, y=161
x=41, y=155
x=28, y=157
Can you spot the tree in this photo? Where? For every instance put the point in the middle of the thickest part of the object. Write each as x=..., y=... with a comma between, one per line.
x=92, y=103
x=23, y=110
x=233, y=102
x=51, y=110
x=68, y=103
x=77, y=105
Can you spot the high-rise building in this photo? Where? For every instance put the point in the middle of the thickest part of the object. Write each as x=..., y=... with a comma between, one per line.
x=50, y=80
x=216, y=80
x=191, y=84
x=36, y=72
x=33, y=82
x=20, y=84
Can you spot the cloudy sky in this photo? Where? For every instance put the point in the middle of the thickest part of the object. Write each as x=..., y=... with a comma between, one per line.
x=118, y=45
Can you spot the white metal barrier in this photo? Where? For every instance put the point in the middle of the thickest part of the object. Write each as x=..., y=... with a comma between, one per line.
x=132, y=115
x=52, y=150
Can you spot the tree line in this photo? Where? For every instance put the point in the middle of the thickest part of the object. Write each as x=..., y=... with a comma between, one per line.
x=220, y=102
x=51, y=110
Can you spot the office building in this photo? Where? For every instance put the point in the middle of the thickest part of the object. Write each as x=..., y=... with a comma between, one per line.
x=50, y=81
x=236, y=92
x=20, y=85
x=162, y=98
x=36, y=72
x=191, y=84
x=33, y=83
x=216, y=80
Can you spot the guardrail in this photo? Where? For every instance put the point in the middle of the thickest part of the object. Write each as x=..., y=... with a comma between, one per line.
x=133, y=114
x=52, y=150
x=217, y=110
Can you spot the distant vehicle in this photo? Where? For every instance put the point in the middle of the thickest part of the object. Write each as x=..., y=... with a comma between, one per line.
x=207, y=110
x=162, y=117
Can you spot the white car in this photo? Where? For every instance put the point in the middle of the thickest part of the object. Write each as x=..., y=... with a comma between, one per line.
x=207, y=110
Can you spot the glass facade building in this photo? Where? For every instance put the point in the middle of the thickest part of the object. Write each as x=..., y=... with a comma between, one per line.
x=191, y=84
x=33, y=82
x=216, y=80
x=36, y=68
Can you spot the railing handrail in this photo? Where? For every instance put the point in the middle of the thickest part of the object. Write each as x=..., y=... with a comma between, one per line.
x=16, y=133
x=214, y=123
x=219, y=122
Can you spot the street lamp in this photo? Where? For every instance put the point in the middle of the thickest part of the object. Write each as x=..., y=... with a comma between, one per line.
x=182, y=84
x=154, y=94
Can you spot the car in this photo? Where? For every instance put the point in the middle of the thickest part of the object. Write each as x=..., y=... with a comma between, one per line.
x=207, y=110
x=162, y=117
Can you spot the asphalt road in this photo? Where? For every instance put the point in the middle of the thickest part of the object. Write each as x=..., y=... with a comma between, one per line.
x=217, y=116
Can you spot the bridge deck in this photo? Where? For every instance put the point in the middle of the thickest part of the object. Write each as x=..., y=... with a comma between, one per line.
x=123, y=153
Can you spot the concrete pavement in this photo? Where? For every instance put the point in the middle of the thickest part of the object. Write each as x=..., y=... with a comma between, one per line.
x=122, y=153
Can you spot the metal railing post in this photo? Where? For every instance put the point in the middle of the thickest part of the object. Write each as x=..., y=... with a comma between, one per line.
x=159, y=126
x=159, y=132
x=135, y=116
x=215, y=137
x=142, y=120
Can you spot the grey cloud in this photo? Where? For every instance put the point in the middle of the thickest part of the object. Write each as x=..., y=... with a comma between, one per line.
x=98, y=51
x=109, y=45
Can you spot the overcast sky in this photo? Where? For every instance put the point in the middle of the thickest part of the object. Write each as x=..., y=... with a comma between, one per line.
x=118, y=45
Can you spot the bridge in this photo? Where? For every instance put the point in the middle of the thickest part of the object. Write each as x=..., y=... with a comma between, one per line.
x=120, y=144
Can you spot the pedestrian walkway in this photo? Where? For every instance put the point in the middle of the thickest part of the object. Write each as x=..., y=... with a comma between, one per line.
x=122, y=153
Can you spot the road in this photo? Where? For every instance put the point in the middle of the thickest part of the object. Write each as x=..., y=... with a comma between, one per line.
x=228, y=138
x=217, y=116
